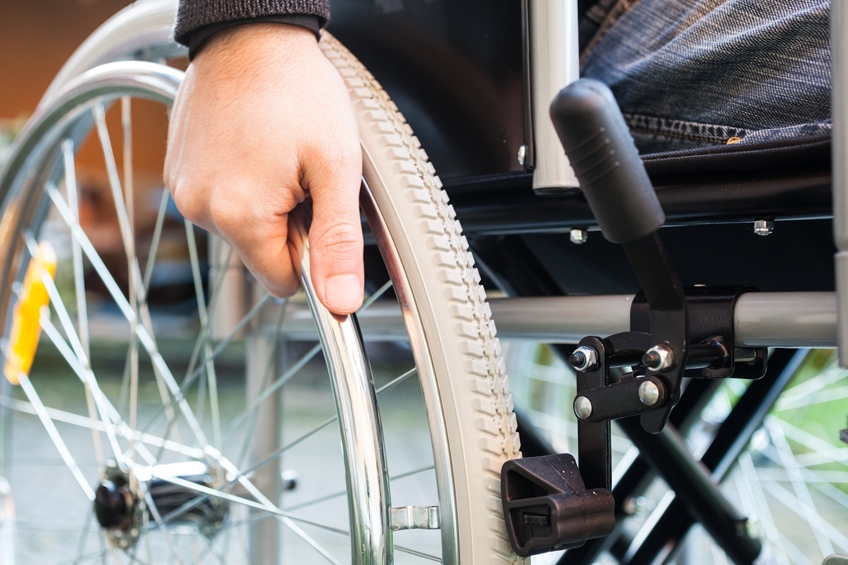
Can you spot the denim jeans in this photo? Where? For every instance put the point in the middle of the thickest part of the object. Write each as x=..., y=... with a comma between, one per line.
x=694, y=73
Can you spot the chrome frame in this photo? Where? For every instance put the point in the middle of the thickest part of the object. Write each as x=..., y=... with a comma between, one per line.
x=359, y=421
x=554, y=63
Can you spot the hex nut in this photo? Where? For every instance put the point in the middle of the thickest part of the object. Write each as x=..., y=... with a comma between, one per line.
x=658, y=358
x=584, y=359
x=763, y=227
x=579, y=236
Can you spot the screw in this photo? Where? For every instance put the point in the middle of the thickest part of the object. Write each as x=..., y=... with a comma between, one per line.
x=763, y=227
x=658, y=358
x=579, y=236
x=522, y=154
x=649, y=393
x=582, y=407
x=584, y=359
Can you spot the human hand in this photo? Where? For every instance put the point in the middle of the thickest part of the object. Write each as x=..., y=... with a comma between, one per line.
x=262, y=121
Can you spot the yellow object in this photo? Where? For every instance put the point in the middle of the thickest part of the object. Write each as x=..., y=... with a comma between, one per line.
x=26, y=325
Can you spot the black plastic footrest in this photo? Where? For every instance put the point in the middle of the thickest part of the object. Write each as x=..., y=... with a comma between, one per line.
x=547, y=507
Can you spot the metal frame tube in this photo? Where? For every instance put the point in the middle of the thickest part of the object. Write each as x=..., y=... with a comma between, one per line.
x=839, y=48
x=691, y=482
x=763, y=319
x=554, y=63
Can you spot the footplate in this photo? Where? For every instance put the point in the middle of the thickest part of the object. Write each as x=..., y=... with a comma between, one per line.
x=548, y=508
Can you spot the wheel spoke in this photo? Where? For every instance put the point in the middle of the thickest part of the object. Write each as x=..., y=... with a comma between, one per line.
x=84, y=422
x=107, y=411
x=263, y=504
x=135, y=281
x=178, y=392
x=418, y=553
x=826, y=530
x=78, y=362
x=83, y=537
x=337, y=494
x=270, y=390
x=812, y=386
x=215, y=493
x=126, y=123
x=760, y=506
x=157, y=234
x=151, y=506
x=145, y=338
x=203, y=334
x=211, y=378
x=48, y=424
x=269, y=366
x=802, y=493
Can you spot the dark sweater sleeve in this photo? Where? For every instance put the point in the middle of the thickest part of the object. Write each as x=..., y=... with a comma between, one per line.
x=197, y=20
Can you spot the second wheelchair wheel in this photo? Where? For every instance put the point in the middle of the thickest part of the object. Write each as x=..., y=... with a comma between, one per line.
x=174, y=489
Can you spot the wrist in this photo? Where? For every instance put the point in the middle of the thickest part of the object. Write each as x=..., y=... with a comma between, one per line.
x=247, y=39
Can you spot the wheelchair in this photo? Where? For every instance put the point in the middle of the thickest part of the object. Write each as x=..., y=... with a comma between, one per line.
x=170, y=473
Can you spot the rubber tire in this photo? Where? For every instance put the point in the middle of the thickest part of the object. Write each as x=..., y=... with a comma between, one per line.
x=455, y=318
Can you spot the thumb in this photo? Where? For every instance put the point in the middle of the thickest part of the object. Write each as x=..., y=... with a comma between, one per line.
x=335, y=241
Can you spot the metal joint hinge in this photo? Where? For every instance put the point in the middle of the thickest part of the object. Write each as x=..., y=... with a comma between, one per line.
x=414, y=518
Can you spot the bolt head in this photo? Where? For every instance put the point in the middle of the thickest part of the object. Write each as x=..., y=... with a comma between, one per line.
x=584, y=358
x=579, y=237
x=582, y=407
x=658, y=358
x=649, y=394
x=522, y=155
x=763, y=227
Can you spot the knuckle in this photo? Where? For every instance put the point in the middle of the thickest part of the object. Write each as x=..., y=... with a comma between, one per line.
x=224, y=214
x=341, y=241
x=187, y=201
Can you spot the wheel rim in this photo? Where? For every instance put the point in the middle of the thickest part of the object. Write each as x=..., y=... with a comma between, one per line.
x=61, y=125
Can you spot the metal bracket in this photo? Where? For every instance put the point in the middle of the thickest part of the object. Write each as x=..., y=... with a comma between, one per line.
x=711, y=313
x=414, y=518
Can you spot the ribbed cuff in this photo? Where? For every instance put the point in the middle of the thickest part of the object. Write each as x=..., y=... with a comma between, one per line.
x=196, y=14
x=197, y=39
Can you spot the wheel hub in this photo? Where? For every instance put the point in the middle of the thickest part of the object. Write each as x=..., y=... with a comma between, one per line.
x=120, y=507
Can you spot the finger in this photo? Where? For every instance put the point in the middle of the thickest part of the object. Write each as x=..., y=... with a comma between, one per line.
x=335, y=237
x=261, y=240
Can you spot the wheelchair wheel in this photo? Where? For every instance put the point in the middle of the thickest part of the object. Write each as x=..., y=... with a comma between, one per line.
x=164, y=460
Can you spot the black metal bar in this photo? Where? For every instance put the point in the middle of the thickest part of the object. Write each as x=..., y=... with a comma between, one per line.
x=594, y=439
x=733, y=435
x=670, y=458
